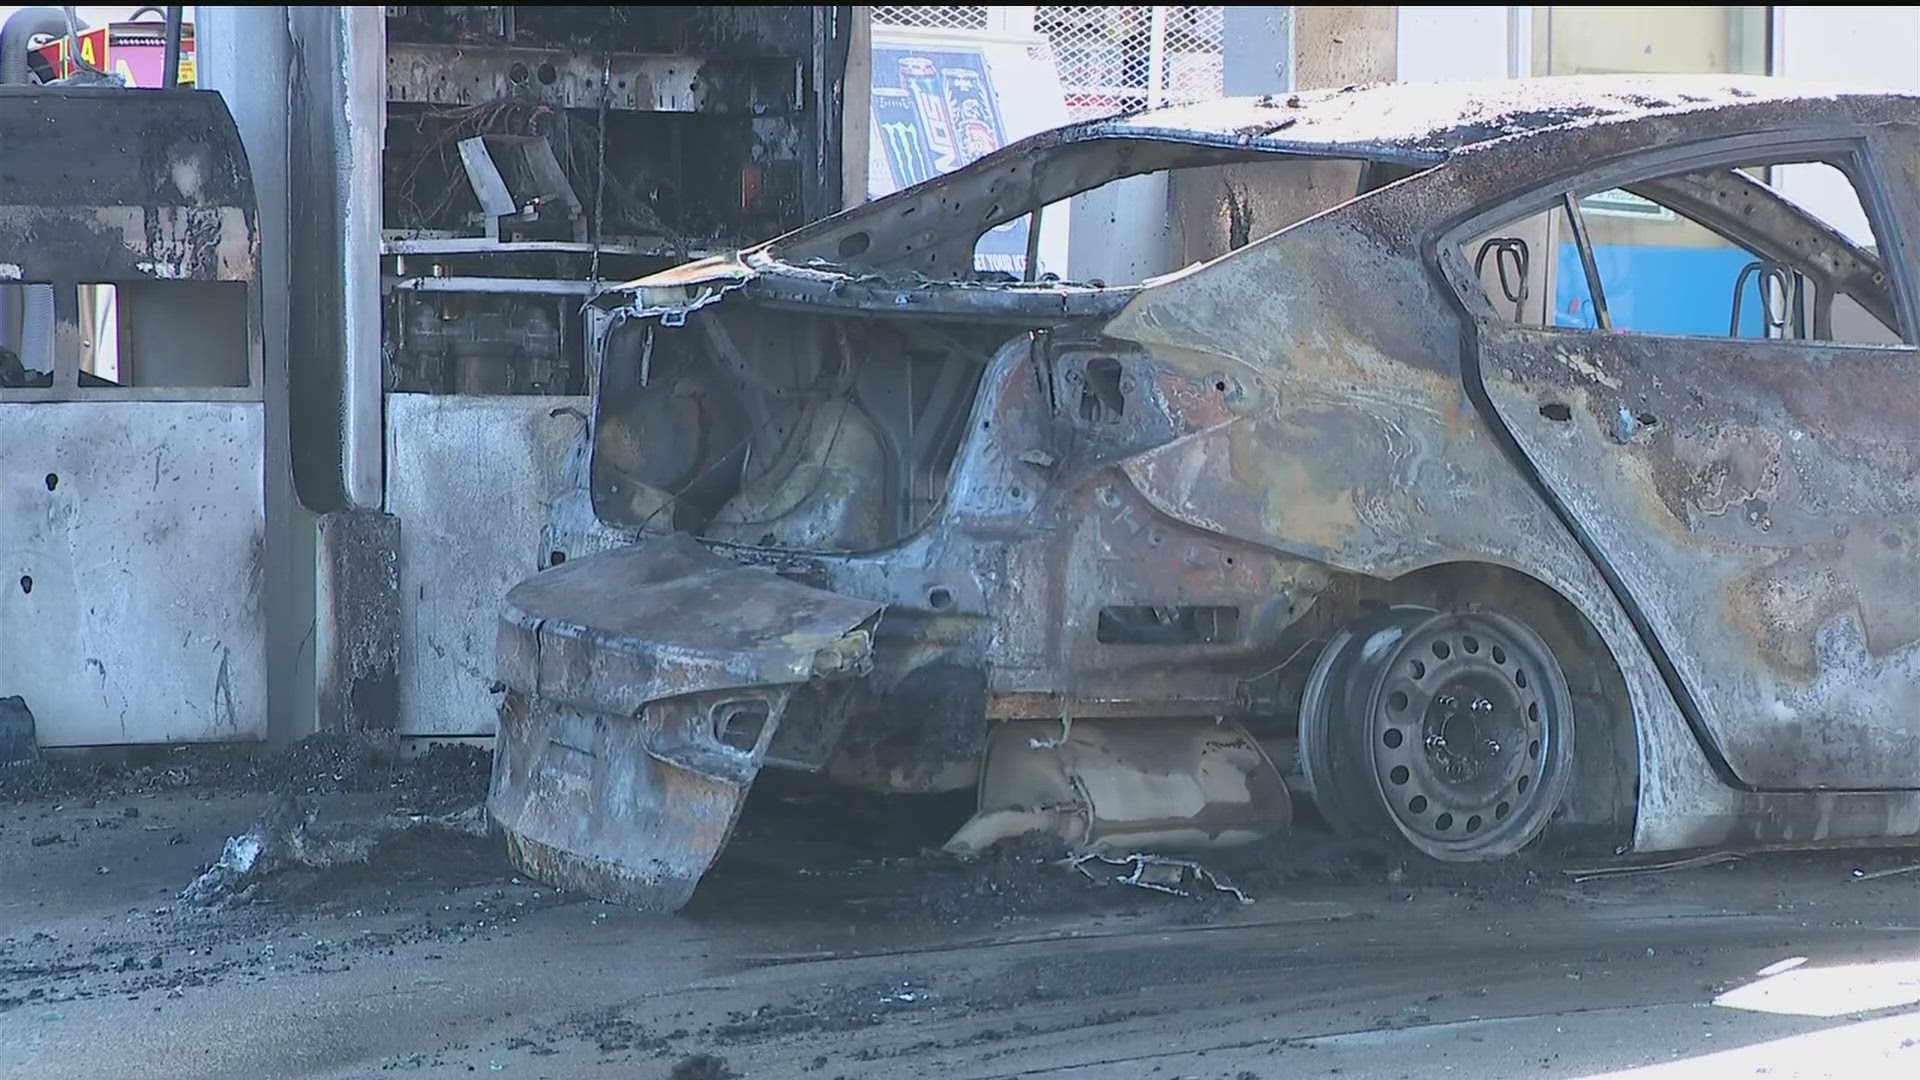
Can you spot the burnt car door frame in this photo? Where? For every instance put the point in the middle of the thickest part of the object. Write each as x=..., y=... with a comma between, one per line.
x=1707, y=554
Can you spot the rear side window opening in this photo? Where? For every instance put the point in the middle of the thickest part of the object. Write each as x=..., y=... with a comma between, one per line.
x=1111, y=212
x=1128, y=230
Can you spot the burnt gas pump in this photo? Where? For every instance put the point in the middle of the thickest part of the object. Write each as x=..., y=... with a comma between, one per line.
x=440, y=191
x=131, y=419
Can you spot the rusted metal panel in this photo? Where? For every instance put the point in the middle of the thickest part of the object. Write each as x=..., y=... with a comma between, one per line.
x=1682, y=801
x=1878, y=691
x=1355, y=444
x=461, y=470
x=613, y=631
x=132, y=538
x=1747, y=494
x=179, y=149
x=600, y=804
x=132, y=242
x=1363, y=453
x=1126, y=785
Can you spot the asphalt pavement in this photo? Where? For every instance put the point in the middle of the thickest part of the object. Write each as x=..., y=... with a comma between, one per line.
x=802, y=957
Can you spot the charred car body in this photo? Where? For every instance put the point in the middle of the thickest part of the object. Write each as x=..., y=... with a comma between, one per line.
x=1410, y=497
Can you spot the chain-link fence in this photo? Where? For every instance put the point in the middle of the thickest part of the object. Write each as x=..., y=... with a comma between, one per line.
x=1111, y=59
x=933, y=16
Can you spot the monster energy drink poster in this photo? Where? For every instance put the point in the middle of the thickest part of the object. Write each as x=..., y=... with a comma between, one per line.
x=936, y=109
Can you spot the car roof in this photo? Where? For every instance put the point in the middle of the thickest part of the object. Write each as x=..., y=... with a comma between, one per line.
x=1412, y=124
x=1425, y=123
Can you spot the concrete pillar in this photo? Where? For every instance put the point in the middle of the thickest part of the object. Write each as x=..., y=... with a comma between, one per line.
x=856, y=110
x=244, y=53
x=1341, y=46
x=1256, y=54
x=336, y=102
x=307, y=88
x=1257, y=57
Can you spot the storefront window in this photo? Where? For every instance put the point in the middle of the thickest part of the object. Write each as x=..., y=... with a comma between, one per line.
x=1571, y=40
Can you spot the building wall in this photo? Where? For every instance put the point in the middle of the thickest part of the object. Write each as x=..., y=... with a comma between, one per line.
x=1861, y=46
x=1674, y=39
x=1877, y=47
x=1448, y=44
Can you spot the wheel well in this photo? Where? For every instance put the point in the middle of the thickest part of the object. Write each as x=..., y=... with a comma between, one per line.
x=1599, y=807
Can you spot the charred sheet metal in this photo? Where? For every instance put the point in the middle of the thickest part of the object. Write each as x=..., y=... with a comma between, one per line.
x=607, y=806
x=570, y=79
x=1405, y=126
x=133, y=242
x=1354, y=447
x=159, y=188
x=1755, y=506
x=1453, y=475
x=1126, y=785
x=1397, y=127
x=131, y=570
x=149, y=151
x=630, y=731
x=1357, y=446
x=453, y=463
x=608, y=632
x=1423, y=122
x=1762, y=515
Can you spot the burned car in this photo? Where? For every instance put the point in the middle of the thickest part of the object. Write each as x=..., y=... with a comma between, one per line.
x=1517, y=459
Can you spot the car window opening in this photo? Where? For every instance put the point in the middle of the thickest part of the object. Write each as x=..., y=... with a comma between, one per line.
x=1110, y=212
x=1656, y=256
x=1168, y=218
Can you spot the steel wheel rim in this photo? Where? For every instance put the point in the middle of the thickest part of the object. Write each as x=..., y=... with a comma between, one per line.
x=1467, y=715
x=1465, y=755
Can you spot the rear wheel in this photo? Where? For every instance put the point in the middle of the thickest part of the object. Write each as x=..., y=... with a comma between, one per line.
x=1452, y=730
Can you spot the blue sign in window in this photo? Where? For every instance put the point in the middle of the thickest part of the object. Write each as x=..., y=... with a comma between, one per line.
x=1659, y=290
